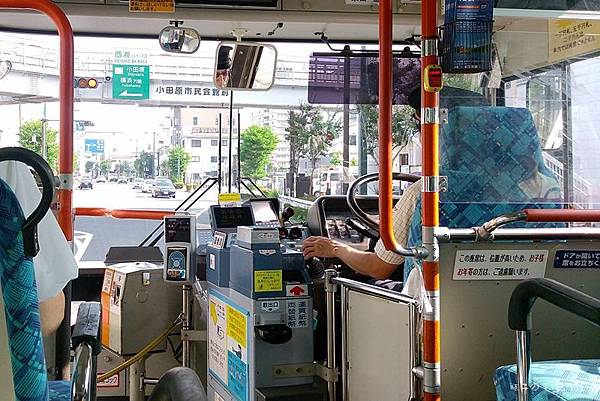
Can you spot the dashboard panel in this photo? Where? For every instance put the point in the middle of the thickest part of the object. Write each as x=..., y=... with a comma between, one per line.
x=327, y=218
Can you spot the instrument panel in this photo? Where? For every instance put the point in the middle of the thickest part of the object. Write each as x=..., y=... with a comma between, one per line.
x=327, y=218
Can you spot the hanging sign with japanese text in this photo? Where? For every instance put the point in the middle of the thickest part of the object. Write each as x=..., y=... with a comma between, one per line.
x=152, y=6
x=570, y=38
x=500, y=264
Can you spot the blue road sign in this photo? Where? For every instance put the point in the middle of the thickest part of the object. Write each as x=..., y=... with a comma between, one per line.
x=94, y=146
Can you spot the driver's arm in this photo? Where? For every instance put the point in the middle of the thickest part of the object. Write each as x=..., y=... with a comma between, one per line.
x=381, y=264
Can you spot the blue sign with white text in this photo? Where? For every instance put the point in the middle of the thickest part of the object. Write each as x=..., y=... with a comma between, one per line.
x=237, y=376
x=94, y=146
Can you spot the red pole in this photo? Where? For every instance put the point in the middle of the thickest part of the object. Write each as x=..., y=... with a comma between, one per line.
x=65, y=165
x=430, y=202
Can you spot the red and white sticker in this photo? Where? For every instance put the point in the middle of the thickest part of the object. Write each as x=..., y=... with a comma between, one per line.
x=296, y=290
x=112, y=381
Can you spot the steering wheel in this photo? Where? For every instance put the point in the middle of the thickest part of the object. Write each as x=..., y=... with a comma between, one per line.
x=351, y=195
x=44, y=171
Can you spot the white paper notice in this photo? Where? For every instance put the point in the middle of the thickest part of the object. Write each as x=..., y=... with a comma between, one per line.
x=500, y=264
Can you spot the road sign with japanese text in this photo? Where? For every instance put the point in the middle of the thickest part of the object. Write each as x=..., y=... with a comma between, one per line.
x=131, y=82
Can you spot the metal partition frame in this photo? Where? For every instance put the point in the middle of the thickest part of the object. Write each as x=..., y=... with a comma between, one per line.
x=350, y=290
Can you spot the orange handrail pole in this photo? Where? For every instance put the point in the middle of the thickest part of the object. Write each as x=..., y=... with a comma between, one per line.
x=65, y=165
x=385, y=125
x=91, y=212
x=123, y=213
x=430, y=117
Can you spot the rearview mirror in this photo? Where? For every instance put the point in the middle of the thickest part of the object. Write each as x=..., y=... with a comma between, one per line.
x=179, y=40
x=245, y=66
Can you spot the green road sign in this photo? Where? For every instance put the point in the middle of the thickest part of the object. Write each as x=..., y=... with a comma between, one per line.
x=131, y=82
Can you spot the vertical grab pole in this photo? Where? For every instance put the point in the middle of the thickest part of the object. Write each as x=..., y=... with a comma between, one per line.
x=65, y=166
x=430, y=117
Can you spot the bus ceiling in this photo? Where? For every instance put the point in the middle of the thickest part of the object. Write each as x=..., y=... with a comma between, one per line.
x=302, y=18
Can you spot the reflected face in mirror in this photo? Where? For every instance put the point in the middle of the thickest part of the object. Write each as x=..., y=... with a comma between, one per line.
x=245, y=66
x=179, y=40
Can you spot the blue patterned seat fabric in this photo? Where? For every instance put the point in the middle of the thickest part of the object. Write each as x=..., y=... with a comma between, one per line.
x=553, y=381
x=485, y=153
x=21, y=308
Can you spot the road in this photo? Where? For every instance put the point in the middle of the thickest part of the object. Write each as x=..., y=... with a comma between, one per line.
x=94, y=235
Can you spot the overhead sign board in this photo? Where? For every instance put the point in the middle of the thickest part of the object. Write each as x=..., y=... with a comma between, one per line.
x=152, y=6
x=94, y=146
x=571, y=38
x=131, y=81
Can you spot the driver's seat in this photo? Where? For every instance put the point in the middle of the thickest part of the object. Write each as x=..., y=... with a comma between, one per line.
x=487, y=153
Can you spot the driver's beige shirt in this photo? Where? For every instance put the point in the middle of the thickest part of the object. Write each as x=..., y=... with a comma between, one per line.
x=402, y=218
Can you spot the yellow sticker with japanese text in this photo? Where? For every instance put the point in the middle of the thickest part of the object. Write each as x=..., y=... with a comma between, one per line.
x=268, y=280
x=152, y=6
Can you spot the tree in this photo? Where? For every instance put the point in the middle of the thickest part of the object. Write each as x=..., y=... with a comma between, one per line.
x=144, y=165
x=30, y=137
x=336, y=159
x=177, y=162
x=104, y=167
x=90, y=166
x=124, y=168
x=403, y=129
x=310, y=133
x=258, y=143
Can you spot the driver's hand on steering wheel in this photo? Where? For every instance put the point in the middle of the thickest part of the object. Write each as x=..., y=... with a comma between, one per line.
x=319, y=247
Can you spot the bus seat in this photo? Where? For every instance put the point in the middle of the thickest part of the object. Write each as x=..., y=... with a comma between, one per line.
x=486, y=152
x=566, y=380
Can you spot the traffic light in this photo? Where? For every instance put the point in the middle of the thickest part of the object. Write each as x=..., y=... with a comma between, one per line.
x=86, y=83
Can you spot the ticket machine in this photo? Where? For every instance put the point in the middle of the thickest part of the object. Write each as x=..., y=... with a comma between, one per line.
x=260, y=328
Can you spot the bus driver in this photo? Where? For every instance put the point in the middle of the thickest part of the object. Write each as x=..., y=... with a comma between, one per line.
x=383, y=264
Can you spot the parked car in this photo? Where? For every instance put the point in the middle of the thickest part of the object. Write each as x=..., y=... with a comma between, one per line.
x=100, y=179
x=138, y=183
x=113, y=178
x=122, y=180
x=86, y=183
x=163, y=188
x=147, y=186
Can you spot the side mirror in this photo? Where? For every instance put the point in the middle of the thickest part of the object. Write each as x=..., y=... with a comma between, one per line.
x=5, y=67
x=179, y=40
x=245, y=66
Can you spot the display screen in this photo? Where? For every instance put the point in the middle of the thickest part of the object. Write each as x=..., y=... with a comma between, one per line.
x=263, y=212
x=177, y=229
x=231, y=217
x=337, y=79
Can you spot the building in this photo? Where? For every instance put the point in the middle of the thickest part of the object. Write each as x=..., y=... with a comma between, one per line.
x=200, y=138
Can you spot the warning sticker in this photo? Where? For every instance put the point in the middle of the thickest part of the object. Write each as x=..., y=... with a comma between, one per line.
x=268, y=280
x=573, y=259
x=152, y=6
x=236, y=326
x=227, y=342
x=297, y=316
x=500, y=264
x=217, y=345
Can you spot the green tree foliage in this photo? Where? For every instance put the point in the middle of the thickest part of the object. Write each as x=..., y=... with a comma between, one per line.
x=30, y=137
x=177, y=162
x=403, y=128
x=144, y=165
x=90, y=166
x=104, y=167
x=258, y=142
x=336, y=159
x=124, y=168
x=310, y=133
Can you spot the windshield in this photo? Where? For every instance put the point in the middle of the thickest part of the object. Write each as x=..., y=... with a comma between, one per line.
x=172, y=122
x=164, y=183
